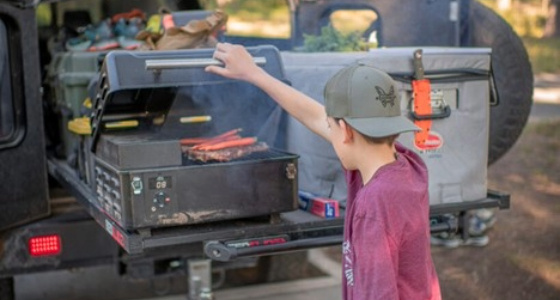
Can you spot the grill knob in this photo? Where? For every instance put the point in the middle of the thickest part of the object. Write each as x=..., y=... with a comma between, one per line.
x=160, y=199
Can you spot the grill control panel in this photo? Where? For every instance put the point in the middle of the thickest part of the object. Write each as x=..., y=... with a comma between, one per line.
x=139, y=197
x=159, y=195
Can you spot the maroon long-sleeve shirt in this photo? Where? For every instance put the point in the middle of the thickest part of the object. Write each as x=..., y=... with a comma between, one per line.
x=386, y=250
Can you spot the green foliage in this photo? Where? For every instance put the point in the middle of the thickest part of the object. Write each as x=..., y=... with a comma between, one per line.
x=44, y=15
x=544, y=54
x=525, y=16
x=331, y=40
x=528, y=20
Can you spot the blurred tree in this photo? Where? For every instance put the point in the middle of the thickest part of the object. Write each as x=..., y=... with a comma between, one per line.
x=552, y=26
x=504, y=5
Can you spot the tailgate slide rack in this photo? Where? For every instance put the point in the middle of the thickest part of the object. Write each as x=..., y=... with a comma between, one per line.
x=297, y=230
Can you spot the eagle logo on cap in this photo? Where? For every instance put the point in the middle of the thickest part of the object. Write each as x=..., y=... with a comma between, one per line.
x=384, y=97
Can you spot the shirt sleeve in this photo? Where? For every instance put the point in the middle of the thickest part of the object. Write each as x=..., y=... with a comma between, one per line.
x=375, y=261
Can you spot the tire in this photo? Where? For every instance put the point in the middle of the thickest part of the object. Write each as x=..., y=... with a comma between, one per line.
x=512, y=73
x=7, y=288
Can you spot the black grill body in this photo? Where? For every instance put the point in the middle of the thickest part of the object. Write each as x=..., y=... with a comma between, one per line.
x=140, y=175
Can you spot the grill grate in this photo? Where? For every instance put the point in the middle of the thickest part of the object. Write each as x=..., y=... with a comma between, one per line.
x=271, y=154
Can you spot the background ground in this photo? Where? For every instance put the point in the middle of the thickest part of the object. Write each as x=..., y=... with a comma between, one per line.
x=522, y=260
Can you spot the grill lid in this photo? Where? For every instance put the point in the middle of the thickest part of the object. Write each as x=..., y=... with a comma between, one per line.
x=146, y=83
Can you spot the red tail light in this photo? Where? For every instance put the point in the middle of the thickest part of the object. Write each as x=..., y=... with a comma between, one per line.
x=45, y=245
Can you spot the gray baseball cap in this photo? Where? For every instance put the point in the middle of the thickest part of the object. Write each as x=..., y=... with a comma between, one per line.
x=366, y=98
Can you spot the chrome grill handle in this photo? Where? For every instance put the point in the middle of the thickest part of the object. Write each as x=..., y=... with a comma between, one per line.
x=161, y=64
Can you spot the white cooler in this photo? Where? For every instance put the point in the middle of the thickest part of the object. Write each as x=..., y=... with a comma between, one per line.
x=457, y=155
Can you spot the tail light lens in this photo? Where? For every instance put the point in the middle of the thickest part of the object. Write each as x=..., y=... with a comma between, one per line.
x=45, y=245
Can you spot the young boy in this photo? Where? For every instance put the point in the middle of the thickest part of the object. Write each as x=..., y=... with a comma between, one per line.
x=386, y=249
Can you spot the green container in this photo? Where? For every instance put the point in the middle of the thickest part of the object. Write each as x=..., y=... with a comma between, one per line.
x=69, y=76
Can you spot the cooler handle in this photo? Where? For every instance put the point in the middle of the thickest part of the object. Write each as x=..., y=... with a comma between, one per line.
x=160, y=64
x=445, y=113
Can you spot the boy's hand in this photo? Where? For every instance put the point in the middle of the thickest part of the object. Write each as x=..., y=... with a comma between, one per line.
x=238, y=62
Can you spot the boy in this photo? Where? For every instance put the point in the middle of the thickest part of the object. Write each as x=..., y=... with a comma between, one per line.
x=386, y=250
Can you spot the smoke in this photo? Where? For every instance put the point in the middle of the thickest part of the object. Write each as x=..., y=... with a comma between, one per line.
x=230, y=104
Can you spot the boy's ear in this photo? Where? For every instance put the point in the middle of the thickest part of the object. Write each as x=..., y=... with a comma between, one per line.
x=347, y=131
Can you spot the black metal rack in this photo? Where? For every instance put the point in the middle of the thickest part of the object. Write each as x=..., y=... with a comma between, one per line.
x=299, y=229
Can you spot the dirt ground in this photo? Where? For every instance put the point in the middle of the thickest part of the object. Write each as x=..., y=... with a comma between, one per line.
x=522, y=260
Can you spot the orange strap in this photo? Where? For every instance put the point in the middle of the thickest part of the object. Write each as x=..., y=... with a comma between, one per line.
x=422, y=107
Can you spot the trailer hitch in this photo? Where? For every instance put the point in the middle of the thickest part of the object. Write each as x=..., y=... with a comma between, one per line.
x=200, y=279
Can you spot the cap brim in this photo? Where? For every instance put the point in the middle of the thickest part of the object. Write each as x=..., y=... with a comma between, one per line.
x=382, y=126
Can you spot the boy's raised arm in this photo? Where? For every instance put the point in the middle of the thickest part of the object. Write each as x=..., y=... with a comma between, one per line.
x=240, y=65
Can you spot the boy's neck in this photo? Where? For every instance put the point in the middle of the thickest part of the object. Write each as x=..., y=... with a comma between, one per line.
x=373, y=158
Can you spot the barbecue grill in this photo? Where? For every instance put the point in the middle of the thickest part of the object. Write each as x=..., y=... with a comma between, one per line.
x=137, y=166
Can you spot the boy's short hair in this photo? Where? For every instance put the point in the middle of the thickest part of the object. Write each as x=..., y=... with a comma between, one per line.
x=387, y=140
x=366, y=98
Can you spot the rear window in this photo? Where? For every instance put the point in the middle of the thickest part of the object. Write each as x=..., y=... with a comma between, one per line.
x=363, y=21
x=7, y=111
x=255, y=18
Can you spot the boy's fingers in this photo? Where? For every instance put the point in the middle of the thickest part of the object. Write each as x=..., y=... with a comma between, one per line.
x=219, y=56
x=222, y=50
x=216, y=70
x=227, y=54
x=223, y=46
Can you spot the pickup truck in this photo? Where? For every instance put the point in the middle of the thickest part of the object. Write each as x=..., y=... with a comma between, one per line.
x=51, y=218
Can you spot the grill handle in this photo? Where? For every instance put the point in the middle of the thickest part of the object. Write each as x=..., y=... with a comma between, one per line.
x=161, y=64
